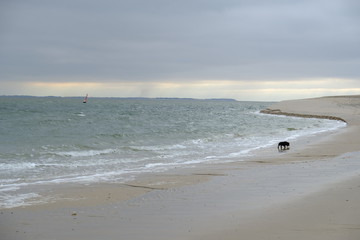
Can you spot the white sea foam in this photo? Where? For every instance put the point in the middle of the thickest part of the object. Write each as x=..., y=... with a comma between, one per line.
x=16, y=166
x=84, y=153
x=18, y=200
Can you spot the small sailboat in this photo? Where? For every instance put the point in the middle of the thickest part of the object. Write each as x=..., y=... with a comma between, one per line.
x=85, y=99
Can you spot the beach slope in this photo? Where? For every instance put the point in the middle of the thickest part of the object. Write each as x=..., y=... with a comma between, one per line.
x=311, y=191
x=329, y=213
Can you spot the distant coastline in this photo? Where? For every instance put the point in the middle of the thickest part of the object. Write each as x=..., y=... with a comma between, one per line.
x=142, y=98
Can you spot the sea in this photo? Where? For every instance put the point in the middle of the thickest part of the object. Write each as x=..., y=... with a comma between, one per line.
x=47, y=141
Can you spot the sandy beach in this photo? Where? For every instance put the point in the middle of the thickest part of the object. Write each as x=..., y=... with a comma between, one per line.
x=311, y=191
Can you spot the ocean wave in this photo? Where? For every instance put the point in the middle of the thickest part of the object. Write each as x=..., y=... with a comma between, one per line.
x=84, y=153
x=18, y=200
x=157, y=148
x=13, y=167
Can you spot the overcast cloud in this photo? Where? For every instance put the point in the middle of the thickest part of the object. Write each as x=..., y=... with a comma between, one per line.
x=179, y=42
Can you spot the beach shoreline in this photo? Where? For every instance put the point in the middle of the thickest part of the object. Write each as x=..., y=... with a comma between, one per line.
x=208, y=202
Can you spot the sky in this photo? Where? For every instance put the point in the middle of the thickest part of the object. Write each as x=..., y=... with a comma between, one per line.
x=254, y=50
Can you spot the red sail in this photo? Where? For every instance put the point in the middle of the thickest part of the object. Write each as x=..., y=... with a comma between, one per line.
x=85, y=99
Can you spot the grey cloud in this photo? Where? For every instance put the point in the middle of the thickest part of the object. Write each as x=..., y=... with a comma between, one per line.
x=155, y=40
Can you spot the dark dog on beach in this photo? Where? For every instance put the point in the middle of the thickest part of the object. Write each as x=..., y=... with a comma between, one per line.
x=283, y=145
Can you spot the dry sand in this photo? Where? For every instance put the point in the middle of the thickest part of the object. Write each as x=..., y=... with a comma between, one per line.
x=311, y=191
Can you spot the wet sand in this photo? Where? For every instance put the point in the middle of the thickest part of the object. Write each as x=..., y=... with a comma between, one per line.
x=311, y=191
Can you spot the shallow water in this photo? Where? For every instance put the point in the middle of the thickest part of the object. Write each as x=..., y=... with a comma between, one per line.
x=61, y=140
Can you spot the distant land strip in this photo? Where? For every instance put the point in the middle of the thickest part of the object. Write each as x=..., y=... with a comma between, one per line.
x=279, y=112
x=131, y=98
